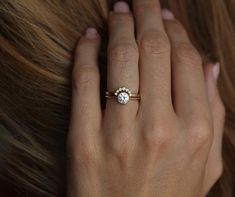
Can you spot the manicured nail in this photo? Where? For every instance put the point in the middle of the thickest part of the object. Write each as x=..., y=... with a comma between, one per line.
x=121, y=6
x=167, y=14
x=91, y=32
x=216, y=70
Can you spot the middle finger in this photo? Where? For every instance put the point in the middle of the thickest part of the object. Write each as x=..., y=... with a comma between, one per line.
x=155, y=63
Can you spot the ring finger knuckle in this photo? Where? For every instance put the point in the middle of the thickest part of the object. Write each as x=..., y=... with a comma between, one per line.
x=123, y=52
x=121, y=145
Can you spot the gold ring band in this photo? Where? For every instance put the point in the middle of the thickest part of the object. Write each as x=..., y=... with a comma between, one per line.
x=111, y=95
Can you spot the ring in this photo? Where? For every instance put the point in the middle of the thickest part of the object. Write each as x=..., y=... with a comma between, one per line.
x=123, y=95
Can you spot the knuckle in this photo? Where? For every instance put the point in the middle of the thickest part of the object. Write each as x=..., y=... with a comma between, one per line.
x=85, y=156
x=81, y=153
x=123, y=52
x=121, y=146
x=187, y=54
x=154, y=43
x=201, y=134
x=85, y=77
x=157, y=136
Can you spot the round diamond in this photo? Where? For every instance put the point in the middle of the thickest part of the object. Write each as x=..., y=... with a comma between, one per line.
x=123, y=97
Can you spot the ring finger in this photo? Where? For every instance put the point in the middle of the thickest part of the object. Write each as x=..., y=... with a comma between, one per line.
x=122, y=68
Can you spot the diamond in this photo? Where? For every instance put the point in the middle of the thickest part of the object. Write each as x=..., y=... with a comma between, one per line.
x=123, y=97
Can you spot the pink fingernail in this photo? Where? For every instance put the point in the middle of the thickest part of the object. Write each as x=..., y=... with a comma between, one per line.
x=216, y=70
x=91, y=32
x=167, y=14
x=121, y=7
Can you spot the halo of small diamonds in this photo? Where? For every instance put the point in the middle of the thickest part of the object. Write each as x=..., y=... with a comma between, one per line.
x=123, y=95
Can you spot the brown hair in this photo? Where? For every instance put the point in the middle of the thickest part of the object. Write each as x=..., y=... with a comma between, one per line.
x=37, y=41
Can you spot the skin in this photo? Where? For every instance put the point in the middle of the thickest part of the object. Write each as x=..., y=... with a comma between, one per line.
x=168, y=144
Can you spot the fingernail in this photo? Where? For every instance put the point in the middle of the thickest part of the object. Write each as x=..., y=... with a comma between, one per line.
x=216, y=70
x=167, y=14
x=91, y=32
x=121, y=7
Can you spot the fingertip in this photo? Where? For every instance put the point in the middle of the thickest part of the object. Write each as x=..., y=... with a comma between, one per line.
x=121, y=7
x=212, y=70
x=91, y=33
x=211, y=75
x=167, y=14
x=90, y=37
x=216, y=70
x=89, y=43
x=207, y=68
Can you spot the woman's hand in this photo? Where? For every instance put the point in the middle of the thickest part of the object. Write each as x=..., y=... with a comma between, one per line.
x=167, y=144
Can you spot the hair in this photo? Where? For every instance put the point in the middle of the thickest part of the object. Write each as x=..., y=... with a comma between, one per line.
x=37, y=42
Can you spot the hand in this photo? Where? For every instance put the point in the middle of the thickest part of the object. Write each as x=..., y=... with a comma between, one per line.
x=166, y=145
